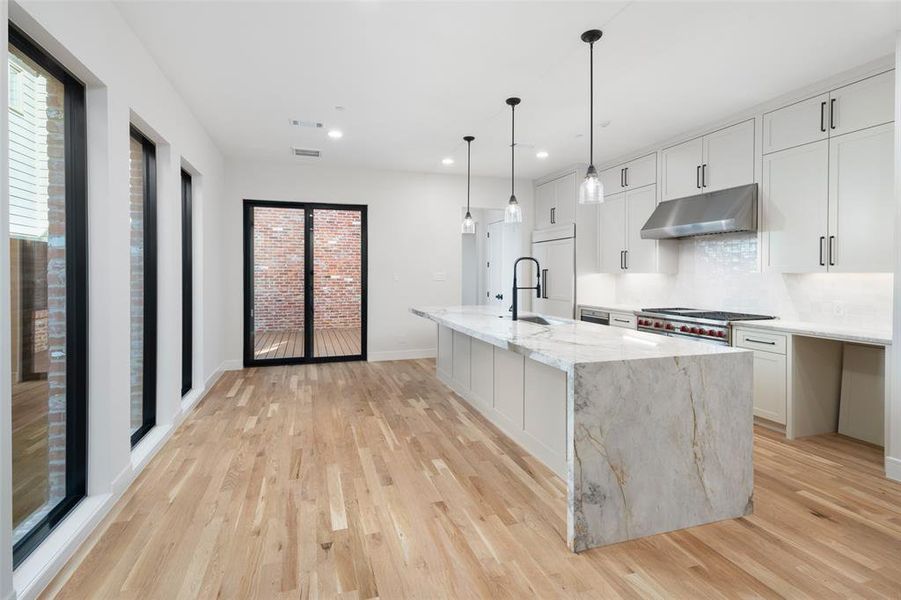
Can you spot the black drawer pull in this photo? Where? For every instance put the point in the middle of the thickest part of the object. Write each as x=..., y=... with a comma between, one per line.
x=622, y=320
x=760, y=341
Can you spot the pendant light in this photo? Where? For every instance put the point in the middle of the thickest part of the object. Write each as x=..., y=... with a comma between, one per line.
x=513, y=212
x=592, y=190
x=469, y=226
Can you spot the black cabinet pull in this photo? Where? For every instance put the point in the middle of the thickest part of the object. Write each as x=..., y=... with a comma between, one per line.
x=760, y=342
x=622, y=178
x=626, y=176
x=621, y=320
x=544, y=277
x=832, y=113
x=704, y=175
x=823, y=116
x=832, y=250
x=626, y=259
x=622, y=259
x=822, y=262
x=553, y=215
x=698, y=177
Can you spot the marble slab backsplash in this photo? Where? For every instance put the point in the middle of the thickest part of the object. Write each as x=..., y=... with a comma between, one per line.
x=722, y=272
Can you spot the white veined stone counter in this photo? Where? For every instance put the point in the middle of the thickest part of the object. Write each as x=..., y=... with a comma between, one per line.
x=651, y=433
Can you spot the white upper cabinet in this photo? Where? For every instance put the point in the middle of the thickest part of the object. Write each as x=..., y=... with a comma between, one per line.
x=612, y=233
x=861, y=206
x=853, y=107
x=795, y=186
x=800, y=123
x=620, y=247
x=728, y=157
x=681, y=172
x=716, y=161
x=862, y=104
x=633, y=174
x=555, y=201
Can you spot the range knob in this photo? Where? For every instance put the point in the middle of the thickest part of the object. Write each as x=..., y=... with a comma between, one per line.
x=721, y=334
x=684, y=328
x=669, y=326
x=695, y=330
x=658, y=325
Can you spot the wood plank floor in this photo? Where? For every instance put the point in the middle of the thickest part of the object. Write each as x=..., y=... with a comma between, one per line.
x=30, y=447
x=345, y=341
x=358, y=480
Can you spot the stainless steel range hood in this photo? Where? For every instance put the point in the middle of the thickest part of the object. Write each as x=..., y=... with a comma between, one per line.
x=724, y=211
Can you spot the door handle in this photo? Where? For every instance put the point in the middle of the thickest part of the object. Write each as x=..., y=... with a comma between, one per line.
x=544, y=277
x=832, y=250
x=823, y=116
x=698, y=177
x=832, y=113
x=498, y=296
x=704, y=175
x=822, y=262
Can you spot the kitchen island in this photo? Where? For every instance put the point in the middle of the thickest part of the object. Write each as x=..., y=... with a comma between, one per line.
x=651, y=433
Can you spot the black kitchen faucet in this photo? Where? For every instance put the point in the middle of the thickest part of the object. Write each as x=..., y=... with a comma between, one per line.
x=537, y=286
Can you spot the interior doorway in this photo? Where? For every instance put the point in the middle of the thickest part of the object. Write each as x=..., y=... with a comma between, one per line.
x=487, y=259
x=304, y=282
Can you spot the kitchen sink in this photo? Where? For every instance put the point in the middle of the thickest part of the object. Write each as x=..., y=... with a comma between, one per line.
x=535, y=319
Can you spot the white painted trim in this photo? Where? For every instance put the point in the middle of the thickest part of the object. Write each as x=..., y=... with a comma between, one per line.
x=893, y=468
x=39, y=569
x=234, y=364
x=402, y=354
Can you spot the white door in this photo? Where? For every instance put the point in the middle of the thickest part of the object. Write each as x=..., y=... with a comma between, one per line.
x=728, y=157
x=799, y=123
x=544, y=204
x=862, y=104
x=612, y=233
x=558, y=273
x=612, y=180
x=682, y=169
x=641, y=172
x=495, y=263
x=641, y=255
x=795, y=192
x=565, y=199
x=861, y=201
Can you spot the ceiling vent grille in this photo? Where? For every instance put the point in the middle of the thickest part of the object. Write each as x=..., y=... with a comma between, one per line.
x=301, y=123
x=309, y=152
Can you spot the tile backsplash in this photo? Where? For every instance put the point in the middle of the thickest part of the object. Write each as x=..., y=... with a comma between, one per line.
x=722, y=272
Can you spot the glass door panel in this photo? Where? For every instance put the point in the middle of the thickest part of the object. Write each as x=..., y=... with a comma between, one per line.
x=337, y=282
x=278, y=314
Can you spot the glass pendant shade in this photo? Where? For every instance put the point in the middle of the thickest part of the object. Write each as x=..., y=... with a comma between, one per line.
x=513, y=212
x=592, y=190
x=469, y=225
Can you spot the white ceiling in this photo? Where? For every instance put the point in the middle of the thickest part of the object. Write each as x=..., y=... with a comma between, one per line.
x=415, y=77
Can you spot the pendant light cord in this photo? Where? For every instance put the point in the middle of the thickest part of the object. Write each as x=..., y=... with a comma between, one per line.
x=591, y=103
x=468, y=168
x=512, y=145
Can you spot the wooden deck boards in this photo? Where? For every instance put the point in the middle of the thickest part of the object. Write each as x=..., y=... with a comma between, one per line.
x=289, y=343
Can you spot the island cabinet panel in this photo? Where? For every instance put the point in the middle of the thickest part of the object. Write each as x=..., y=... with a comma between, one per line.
x=445, y=351
x=482, y=373
x=544, y=412
x=461, y=359
x=508, y=388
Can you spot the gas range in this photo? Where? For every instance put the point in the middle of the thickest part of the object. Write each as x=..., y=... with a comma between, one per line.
x=713, y=326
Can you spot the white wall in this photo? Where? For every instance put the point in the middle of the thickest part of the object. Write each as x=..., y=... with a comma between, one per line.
x=721, y=272
x=123, y=85
x=414, y=237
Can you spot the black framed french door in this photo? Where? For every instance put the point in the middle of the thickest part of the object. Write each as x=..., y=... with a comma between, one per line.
x=305, y=282
x=187, y=284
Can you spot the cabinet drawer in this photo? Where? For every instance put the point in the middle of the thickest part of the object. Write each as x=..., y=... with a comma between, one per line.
x=625, y=320
x=758, y=340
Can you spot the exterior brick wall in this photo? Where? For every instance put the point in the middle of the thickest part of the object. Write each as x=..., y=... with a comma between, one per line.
x=278, y=269
x=278, y=238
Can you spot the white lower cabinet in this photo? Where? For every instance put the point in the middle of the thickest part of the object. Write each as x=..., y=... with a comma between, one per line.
x=770, y=372
x=624, y=320
x=524, y=398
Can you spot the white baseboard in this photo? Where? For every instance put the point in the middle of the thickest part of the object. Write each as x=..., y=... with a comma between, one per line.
x=401, y=354
x=893, y=468
x=235, y=364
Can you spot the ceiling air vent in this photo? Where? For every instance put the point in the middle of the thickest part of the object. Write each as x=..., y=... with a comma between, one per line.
x=305, y=152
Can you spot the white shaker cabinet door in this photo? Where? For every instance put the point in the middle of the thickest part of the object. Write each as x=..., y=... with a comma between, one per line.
x=612, y=180
x=508, y=388
x=641, y=172
x=728, y=157
x=565, y=191
x=861, y=201
x=612, y=233
x=544, y=204
x=795, y=195
x=641, y=256
x=862, y=104
x=799, y=123
x=770, y=386
x=681, y=171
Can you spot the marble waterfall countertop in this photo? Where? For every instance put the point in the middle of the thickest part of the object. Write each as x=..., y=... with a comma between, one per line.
x=564, y=343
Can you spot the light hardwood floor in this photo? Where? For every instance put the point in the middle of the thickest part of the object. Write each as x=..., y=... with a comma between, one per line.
x=358, y=480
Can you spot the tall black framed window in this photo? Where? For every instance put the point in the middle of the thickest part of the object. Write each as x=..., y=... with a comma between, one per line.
x=295, y=313
x=48, y=290
x=187, y=285
x=142, y=283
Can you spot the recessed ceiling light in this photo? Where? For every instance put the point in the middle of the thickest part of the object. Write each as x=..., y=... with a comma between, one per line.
x=447, y=161
x=335, y=134
x=541, y=154
x=339, y=108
